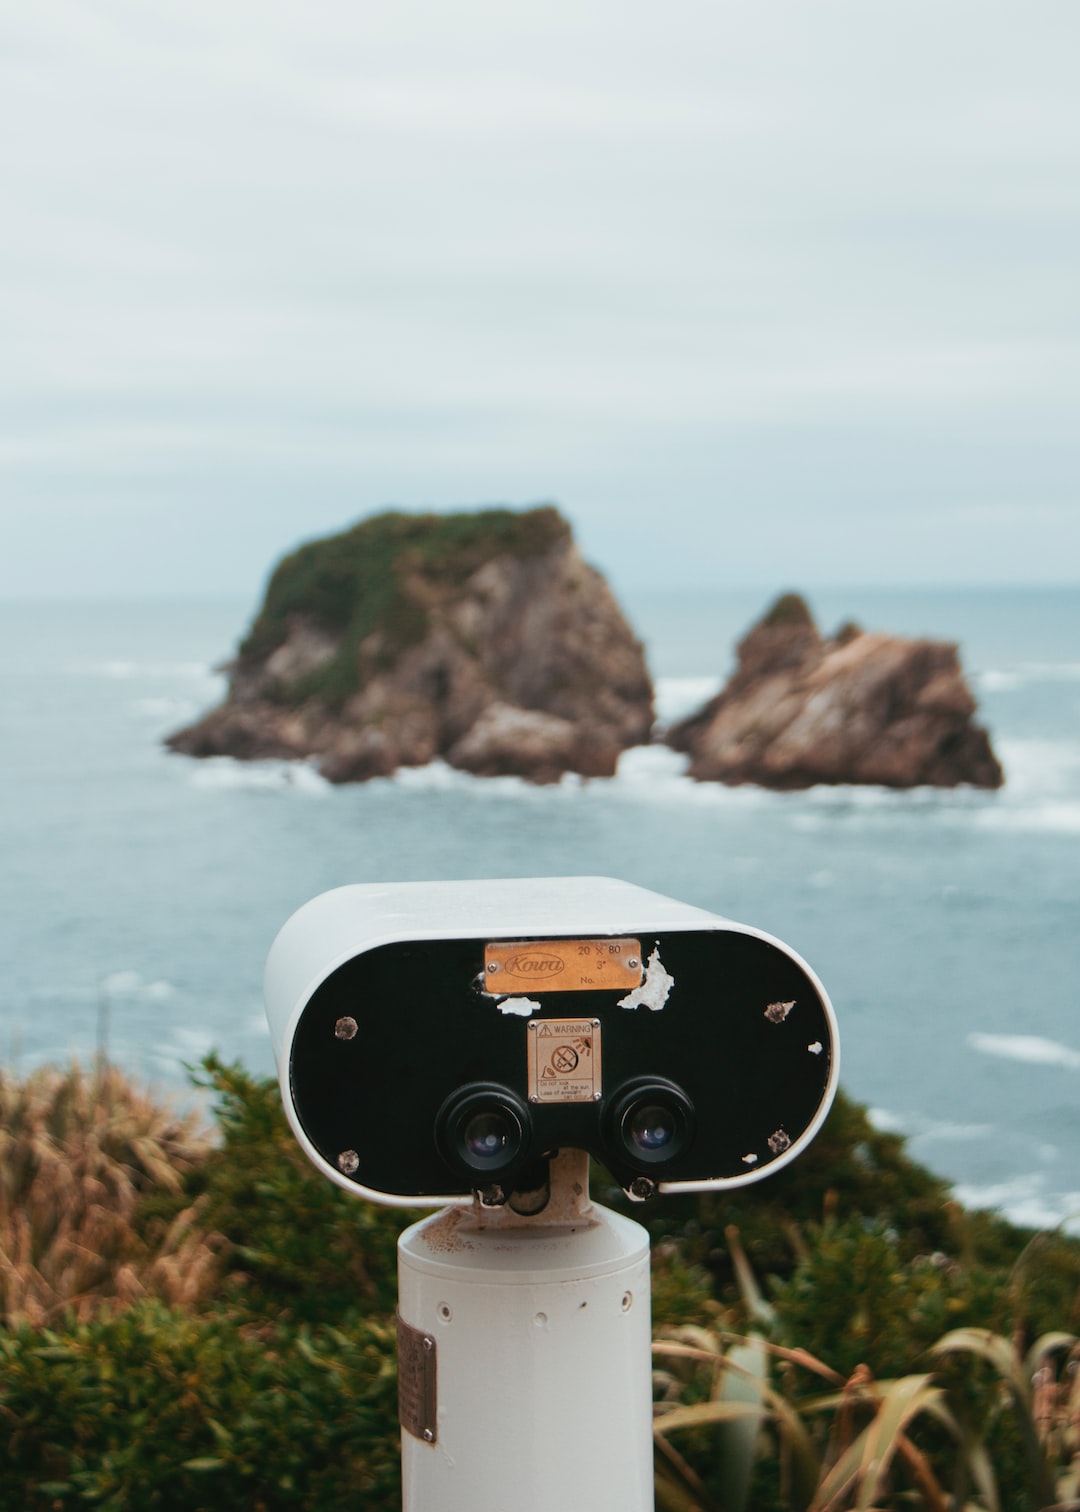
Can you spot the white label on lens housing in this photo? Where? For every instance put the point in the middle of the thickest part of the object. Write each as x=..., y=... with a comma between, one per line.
x=564, y=1060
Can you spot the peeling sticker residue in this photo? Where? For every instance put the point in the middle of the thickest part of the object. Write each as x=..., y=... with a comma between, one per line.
x=654, y=990
x=816, y=1048
x=776, y=1013
x=749, y=1160
x=523, y=1007
x=779, y=1142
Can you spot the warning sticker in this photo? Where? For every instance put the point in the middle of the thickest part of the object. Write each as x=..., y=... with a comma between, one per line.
x=564, y=1060
x=562, y=965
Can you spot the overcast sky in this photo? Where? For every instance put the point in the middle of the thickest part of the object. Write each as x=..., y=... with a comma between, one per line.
x=769, y=292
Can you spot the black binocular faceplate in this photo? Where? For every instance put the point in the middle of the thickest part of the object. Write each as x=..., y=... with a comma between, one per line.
x=412, y=1077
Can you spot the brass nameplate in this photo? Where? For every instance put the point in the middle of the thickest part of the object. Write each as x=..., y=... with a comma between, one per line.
x=564, y=1060
x=562, y=966
x=416, y=1381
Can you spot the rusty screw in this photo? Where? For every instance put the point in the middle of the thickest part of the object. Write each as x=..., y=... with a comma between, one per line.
x=345, y=1029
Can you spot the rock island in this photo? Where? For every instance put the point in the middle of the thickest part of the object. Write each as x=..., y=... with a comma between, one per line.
x=857, y=708
x=482, y=638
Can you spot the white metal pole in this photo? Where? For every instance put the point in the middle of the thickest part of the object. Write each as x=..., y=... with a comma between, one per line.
x=525, y=1366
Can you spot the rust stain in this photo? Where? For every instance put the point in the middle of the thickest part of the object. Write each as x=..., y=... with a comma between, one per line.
x=441, y=1235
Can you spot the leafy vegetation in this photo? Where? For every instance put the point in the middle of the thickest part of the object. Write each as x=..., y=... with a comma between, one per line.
x=788, y=609
x=369, y=586
x=159, y=1409
x=190, y=1321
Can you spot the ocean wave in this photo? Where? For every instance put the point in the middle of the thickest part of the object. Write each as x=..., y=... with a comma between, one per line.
x=677, y=697
x=1046, y=818
x=1031, y=1049
x=187, y=1044
x=921, y=1126
x=643, y=772
x=124, y=671
x=1043, y=795
x=224, y=774
x=1027, y=1201
x=439, y=777
x=130, y=984
x=164, y=708
x=1011, y=679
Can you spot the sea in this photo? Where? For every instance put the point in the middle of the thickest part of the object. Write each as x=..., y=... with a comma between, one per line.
x=140, y=890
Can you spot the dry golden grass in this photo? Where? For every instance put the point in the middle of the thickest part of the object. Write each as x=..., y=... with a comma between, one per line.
x=78, y=1150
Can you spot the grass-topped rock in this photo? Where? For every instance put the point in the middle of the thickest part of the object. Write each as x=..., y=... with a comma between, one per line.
x=480, y=637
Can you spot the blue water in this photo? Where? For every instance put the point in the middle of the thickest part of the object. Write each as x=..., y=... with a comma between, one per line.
x=140, y=891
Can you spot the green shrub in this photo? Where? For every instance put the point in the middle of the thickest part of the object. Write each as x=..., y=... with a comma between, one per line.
x=854, y=1300
x=158, y=1410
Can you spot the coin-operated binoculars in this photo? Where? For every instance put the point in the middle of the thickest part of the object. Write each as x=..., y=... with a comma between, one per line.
x=467, y=1046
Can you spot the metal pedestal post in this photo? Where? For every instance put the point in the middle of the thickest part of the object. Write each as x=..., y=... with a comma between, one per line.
x=524, y=1360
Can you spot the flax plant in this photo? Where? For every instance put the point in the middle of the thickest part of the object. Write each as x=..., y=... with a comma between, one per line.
x=869, y=1457
x=79, y=1149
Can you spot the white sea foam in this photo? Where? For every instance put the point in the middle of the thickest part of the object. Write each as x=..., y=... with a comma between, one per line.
x=1040, y=766
x=121, y=982
x=1048, y=818
x=887, y=1122
x=998, y=682
x=1008, y=680
x=1031, y=1049
x=953, y=1133
x=439, y=777
x=164, y=708
x=649, y=764
x=186, y=1044
x=1042, y=793
x=678, y=697
x=222, y=773
x=920, y=1126
x=184, y=671
x=1026, y=1200
x=130, y=983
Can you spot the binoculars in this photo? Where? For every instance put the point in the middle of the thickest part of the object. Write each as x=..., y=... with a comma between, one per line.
x=438, y=1040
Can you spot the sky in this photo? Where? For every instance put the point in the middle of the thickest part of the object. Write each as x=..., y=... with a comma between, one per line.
x=760, y=292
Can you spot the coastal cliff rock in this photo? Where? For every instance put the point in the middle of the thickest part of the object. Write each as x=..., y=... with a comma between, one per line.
x=859, y=708
x=482, y=638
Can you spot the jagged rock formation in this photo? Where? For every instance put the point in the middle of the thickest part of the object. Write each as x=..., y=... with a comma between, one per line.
x=482, y=638
x=859, y=708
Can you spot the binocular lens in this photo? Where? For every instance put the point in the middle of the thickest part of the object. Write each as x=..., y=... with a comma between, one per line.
x=486, y=1136
x=652, y=1128
x=650, y=1122
x=482, y=1130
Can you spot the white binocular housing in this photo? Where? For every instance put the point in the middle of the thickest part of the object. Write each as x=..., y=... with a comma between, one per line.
x=437, y=1039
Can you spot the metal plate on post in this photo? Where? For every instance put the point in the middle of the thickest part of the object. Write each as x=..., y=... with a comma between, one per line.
x=417, y=1403
x=562, y=965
